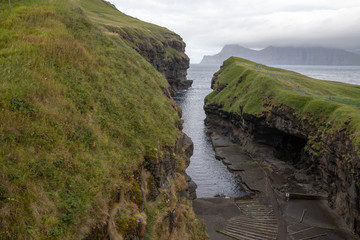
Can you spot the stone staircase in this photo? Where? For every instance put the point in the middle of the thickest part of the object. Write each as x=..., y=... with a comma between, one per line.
x=257, y=222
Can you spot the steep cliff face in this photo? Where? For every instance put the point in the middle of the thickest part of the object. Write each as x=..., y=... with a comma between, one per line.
x=166, y=54
x=175, y=160
x=169, y=58
x=158, y=196
x=258, y=106
x=90, y=139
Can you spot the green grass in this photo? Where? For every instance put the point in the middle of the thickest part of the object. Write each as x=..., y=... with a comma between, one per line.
x=134, y=32
x=332, y=105
x=78, y=109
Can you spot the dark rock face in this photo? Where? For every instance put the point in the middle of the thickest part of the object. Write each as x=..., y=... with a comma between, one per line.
x=161, y=169
x=167, y=55
x=190, y=192
x=334, y=169
x=172, y=67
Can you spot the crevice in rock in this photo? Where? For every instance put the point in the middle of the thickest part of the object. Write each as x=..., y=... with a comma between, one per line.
x=287, y=147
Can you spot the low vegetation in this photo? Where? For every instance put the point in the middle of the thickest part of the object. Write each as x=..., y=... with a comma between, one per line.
x=242, y=85
x=137, y=34
x=78, y=109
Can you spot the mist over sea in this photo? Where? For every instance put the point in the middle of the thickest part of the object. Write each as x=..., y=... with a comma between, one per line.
x=211, y=175
x=346, y=74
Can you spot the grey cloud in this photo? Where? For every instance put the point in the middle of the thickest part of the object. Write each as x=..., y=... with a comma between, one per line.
x=207, y=25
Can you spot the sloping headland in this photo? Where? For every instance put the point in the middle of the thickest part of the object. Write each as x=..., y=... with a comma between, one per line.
x=91, y=145
x=286, y=56
x=310, y=126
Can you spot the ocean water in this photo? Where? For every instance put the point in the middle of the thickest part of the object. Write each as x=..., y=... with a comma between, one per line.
x=211, y=175
x=346, y=74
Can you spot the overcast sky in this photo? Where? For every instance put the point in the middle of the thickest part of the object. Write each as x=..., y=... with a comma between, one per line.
x=207, y=25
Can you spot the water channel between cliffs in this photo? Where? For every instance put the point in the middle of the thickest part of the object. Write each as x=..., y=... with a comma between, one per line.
x=211, y=175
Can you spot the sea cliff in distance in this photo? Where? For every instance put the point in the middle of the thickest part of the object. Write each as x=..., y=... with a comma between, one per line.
x=286, y=56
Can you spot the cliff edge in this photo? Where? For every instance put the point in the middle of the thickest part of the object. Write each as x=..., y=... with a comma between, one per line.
x=310, y=124
x=163, y=49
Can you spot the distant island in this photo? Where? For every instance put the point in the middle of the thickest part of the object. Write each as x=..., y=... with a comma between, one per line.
x=286, y=56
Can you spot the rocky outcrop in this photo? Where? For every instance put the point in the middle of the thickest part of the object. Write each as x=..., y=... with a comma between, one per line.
x=160, y=182
x=169, y=58
x=166, y=54
x=175, y=160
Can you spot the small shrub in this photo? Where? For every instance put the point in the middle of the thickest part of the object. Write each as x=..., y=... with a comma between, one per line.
x=126, y=226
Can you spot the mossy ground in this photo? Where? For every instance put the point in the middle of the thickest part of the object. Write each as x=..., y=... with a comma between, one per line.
x=255, y=89
x=78, y=109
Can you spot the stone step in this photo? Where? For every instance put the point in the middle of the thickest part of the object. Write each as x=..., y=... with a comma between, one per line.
x=272, y=226
x=258, y=215
x=256, y=222
x=248, y=233
x=257, y=210
x=255, y=229
x=268, y=222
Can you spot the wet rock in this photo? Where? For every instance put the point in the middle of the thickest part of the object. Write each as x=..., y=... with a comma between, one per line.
x=190, y=192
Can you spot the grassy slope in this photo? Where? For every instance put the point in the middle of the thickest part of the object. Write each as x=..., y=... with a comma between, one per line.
x=104, y=13
x=133, y=30
x=331, y=106
x=79, y=108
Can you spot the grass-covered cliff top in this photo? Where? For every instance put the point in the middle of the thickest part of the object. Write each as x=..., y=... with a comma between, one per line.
x=78, y=109
x=134, y=31
x=105, y=13
x=255, y=88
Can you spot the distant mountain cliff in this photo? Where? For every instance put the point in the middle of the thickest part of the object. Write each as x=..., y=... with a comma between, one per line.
x=287, y=55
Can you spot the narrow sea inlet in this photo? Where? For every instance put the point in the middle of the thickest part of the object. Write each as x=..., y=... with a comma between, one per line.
x=256, y=165
x=211, y=175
